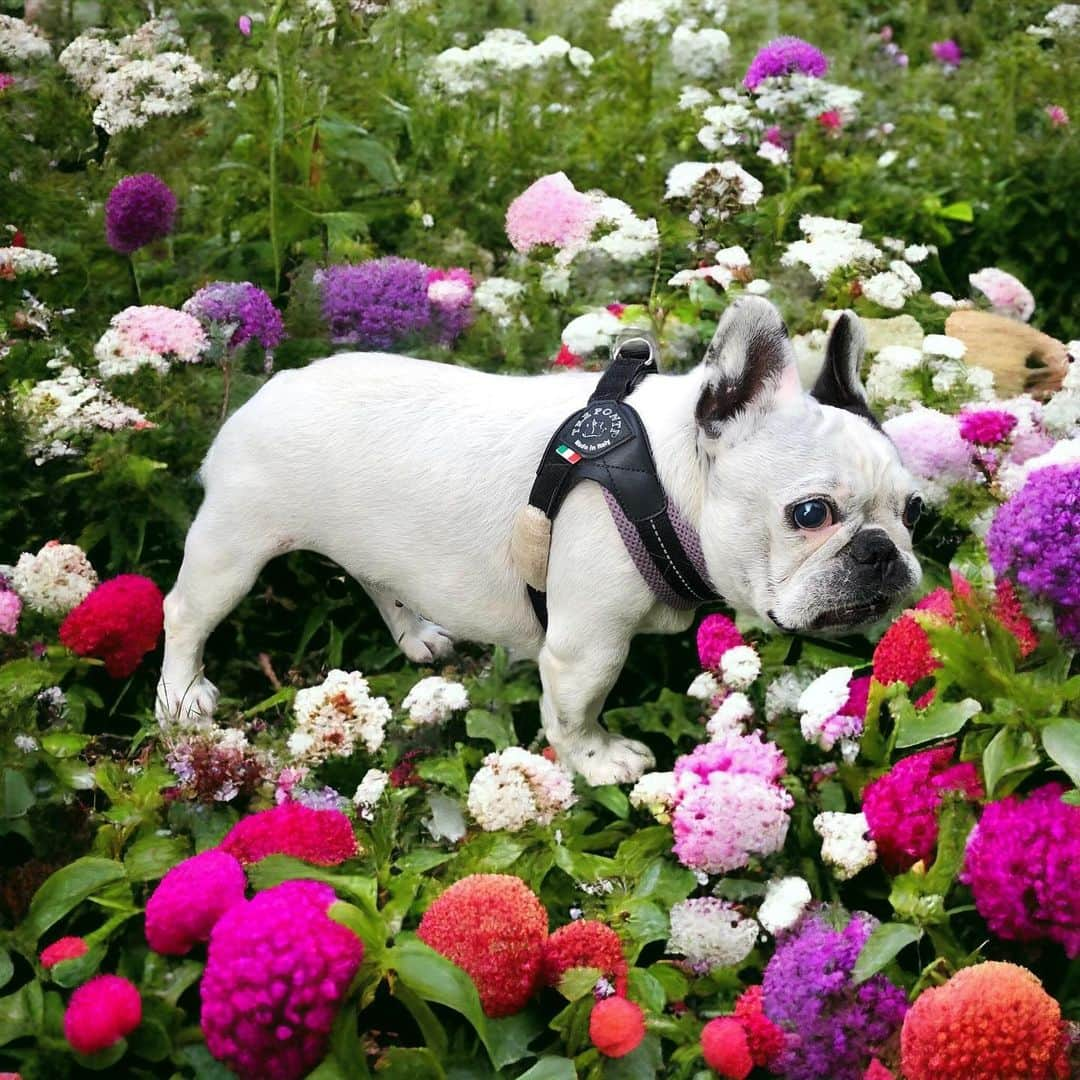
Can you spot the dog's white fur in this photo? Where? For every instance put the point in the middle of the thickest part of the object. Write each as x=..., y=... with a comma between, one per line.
x=410, y=473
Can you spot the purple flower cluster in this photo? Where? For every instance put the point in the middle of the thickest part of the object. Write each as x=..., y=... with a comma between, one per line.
x=138, y=211
x=1035, y=538
x=834, y=1026
x=947, y=53
x=782, y=56
x=242, y=305
x=376, y=304
x=1021, y=863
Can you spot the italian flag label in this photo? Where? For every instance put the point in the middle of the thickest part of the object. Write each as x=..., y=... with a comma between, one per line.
x=570, y=455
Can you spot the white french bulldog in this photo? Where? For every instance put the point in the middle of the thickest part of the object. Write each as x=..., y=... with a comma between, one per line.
x=410, y=473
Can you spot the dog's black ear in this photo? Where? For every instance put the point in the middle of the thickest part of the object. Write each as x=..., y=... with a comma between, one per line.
x=838, y=383
x=748, y=364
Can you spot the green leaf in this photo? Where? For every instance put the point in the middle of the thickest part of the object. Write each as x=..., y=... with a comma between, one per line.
x=64, y=744
x=551, y=1068
x=21, y=1013
x=409, y=1063
x=7, y=968
x=152, y=857
x=612, y=798
x=644, y=1063
x=103, y=1059
x=499, y=730
x=65, y=890
x=15, y=794
x=1010, y=751
x=958, y=211
x=676, y=985
x=647, y=991
x=1061, y=741
x=937, y=721
x=449, y=771
x=74, y=972
x=576, y=982
x=882, y=946
x=435, y=1038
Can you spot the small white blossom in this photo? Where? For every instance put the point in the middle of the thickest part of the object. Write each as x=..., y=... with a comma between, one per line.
x=636, y=18
x=335, y=716
x=591, y=331
x=773, y=153
x=710, y=933
x=783, y=693
x=515, y=788
x=824, y=697
x=19, y=41
x=21, y=262
x=369, y=791
x=693, y=97
x=432, y=700
x=496, y=296
x=699, y=53
x=740, y=666
x=785, y=900
x=845, y=843
x=655, y=792
x=942, y=345
x=55, y=580
x=730, y=717
x=916, y=253
x=830, y=245
x=26, y=743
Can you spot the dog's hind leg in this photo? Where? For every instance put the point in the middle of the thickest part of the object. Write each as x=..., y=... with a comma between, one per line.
x=421, y=640
x=221, y=561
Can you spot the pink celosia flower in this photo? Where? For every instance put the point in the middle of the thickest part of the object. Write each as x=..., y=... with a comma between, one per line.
x=1007, y=294
x=101, y=1012
x=66, y=948
x=190, y=899
x=550, y=211
x=716, y=634
x=323, y=837
x=830, y=120
x=947, y=53
x=986, y=427
x=10, y=610
x=276, y=973
x=931, y=446
x=733, y=753
x=1058, y=116
x=901, y=807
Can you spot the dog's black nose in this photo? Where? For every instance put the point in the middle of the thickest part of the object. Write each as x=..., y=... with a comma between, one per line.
x=872, y=547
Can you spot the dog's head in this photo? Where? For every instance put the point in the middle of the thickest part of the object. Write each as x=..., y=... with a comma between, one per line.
x=807, y=511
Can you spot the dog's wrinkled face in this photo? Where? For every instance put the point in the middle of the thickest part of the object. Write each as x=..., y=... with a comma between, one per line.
x=805, y=488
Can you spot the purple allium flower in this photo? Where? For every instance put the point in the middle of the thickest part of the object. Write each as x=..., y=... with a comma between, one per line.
x=834, y=1027
x=243, y=24
x=376, y=303
x=1021, y=863
x=139, y=210
x=243, y=305
x=451, y=294
x=782, y=56
x=1035, y=536
x=986, y=427
x=947, y=52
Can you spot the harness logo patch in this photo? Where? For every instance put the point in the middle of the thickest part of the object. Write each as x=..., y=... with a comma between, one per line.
x=598, y=428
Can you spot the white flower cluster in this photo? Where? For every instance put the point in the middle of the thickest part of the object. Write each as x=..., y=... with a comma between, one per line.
x=593, y=330
x=891, y=288
x=623, y=237
x=783, y=693
x=821, y=721
x=56, y=579
x=369, y=791
x=894, y=380
x=515, y=788
x=740, y=666
x=730, y=716
x=16, y=262
x=432, y=700
x=710, y=933
x=497, y=296
x=717, y=189
x=785, y=900
x=56, y=410
x=728, y=265
x=830, y=245
x=149, y=336
x=333, y=717
x=499, y=54
x=845, y=843
x=1059, y=21
x=655, y=792
x=637, y=19
x=700, y=53
x=1061, y=414
x=806, y=96
x=19, y=41
x=705, y=687
x=130, y=80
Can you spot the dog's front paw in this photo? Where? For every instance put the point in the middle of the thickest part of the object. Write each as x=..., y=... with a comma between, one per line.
x=189, y=706
x=609, y=759
x=426, y=642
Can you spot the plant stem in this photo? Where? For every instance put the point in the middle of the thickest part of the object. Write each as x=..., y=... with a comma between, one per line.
x=277, y=99
x=226, y=384
x=136, y=292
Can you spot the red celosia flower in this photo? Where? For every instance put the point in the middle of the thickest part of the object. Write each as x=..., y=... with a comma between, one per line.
x=764, y=1038
x=877, y=1071
x=190, y=899
x=119, y=622
x=830, y=120
x=716, y=634
x=616, y=1026
x=567, y=358
x=904, y=655
x=1010, y=614
x=67, y=948
x=726, y=1048
x=493, y=927
x=323, y=837
x=101, y=1012
x=585, y=943
x=990, y=1021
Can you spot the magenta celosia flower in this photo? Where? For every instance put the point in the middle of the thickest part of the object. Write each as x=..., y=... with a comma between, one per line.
x=728, y=805
x=986, y=427
x=931, y=446
x=830, y=120
x=244, y=306
x=716, y=634
x=138, y=211
x=1007, y=294
x=377, y=304
x=1021, y=863
x=901, y=807
x=1058, y=116
x=101, y=1012
x=190, y=899
x=451, y=294
x=782, y=56
x=323, y=837
x=947, y=52
x=1035, y=536
x=834, y=1026
x=277, y=971
x=550, y=211
x=7, y=81
x=10, y=609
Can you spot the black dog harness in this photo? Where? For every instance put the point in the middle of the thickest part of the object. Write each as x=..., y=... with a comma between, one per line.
x=606, y=442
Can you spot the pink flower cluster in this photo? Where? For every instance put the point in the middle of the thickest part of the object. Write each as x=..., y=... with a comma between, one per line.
x=729, y=805
x=550, y=211
x=901, y=807
x=931, y=445
x=986, y=427
x=277, y=969
x=1007, y=294
x=1021, y=865
x=323, y=837
x=716, y=634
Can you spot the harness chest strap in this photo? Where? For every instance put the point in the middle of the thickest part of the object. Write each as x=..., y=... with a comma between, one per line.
x=606, y=442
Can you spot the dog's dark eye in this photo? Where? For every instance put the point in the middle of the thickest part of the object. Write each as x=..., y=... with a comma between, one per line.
x=912, y=511
x=812, y=514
